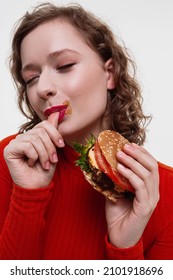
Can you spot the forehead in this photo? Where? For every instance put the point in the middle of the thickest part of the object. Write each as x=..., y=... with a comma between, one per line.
x=51, y=37
x=57, y=31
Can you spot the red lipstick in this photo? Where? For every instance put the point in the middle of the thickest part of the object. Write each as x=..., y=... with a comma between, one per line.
x=59, y=108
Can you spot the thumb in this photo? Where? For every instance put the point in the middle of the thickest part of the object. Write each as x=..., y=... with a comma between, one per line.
x=53, y=119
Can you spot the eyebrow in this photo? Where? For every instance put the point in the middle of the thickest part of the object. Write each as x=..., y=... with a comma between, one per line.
x=60, y=52
x=53, y=55
x=28, y=67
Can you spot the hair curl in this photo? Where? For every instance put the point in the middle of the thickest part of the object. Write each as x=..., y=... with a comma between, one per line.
x=124, y=106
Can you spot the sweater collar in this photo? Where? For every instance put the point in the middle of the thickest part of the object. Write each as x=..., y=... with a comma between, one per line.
x=68, y=156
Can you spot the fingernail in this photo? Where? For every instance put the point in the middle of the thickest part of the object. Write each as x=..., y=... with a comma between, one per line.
x=129, y=147
x=61, y=142
x=47, y=165
x=54, y=158
x=120, y=166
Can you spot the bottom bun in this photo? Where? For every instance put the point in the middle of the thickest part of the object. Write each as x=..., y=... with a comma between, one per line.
x=111, y=194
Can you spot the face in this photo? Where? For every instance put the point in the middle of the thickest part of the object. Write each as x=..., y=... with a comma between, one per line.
x=60, y=68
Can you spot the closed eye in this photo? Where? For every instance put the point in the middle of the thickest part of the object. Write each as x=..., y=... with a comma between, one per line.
x=31, y=80
x=65, y=67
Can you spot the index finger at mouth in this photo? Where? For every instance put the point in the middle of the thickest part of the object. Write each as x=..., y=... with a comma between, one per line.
x=53, y=119
x=51, y=128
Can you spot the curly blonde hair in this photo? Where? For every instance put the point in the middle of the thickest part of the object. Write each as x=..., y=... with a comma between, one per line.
x=124, y=106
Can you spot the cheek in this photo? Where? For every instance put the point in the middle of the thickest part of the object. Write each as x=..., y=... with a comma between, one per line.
x=89, y=104
x=31, y=95
x=86, y=78
x=87, y=85
x=32, y=100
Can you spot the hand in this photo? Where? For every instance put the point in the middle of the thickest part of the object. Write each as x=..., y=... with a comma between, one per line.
x=31, y=157
x=127, y=219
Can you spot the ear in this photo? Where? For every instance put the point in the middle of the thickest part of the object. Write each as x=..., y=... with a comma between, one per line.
x=109, y=68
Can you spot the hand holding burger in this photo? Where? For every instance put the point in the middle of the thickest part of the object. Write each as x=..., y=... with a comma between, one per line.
x=119, y=170
x=127, y=220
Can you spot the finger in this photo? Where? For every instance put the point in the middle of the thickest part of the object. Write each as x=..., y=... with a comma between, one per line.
x=146, y=193
x=142, y=179
x=142, y=149
x=141, y=155
x=135, y=166
x=130, y=175
x=27, y=149
x=22, y=151
x=46, y=141
x=52, y=131
x=40, y=149
x=53, y=119
x=148, y=173
x=138, y=184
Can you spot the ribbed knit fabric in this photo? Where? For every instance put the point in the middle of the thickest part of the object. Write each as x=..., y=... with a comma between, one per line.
x=66, y=220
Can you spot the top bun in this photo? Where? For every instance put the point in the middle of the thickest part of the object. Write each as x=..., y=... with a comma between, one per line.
x=110, y=143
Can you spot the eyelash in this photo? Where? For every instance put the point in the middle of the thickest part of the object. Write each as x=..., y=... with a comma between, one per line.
x=64, y=67
x=30, y=80
x=60, y=68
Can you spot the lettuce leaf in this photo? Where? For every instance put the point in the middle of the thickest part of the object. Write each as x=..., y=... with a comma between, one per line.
x=82, y=162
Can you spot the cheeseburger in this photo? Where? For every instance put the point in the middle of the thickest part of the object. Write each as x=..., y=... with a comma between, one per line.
x=97, y=160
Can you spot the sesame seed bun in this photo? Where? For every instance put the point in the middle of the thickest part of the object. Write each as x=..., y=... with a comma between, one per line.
x=110, y=143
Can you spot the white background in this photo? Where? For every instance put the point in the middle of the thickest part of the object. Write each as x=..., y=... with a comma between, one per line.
x=146, y=27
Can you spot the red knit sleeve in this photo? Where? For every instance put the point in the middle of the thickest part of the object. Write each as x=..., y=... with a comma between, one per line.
x=21, y=216
x=132, y=253
x=162, y=220
x=21, y=236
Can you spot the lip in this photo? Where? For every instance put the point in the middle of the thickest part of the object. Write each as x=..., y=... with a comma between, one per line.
x=59, y=108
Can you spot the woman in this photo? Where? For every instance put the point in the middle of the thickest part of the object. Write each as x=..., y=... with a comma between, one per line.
x=74, y=79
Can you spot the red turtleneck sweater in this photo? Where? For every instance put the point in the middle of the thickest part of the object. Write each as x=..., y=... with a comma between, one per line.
x=66, y=220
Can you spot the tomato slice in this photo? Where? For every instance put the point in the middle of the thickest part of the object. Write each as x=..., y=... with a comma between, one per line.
x=105, y=167
x=102, y=162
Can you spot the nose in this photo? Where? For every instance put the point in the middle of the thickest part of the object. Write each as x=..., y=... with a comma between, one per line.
x=46, y=86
